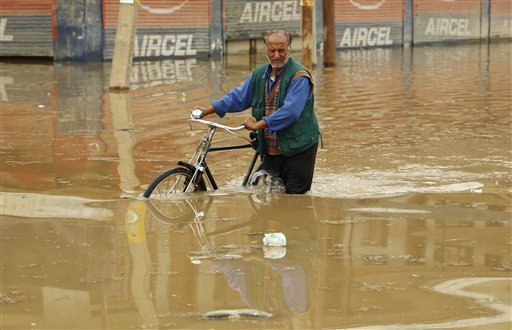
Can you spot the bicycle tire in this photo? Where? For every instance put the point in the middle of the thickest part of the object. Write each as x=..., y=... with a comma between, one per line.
x=172, y=182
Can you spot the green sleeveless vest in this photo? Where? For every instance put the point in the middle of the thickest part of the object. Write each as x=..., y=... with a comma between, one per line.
x=300, y=135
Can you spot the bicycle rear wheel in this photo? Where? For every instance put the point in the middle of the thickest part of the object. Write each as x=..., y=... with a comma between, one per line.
x=172, y=182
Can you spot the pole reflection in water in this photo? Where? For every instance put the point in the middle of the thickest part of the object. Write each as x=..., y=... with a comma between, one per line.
x=141, y=264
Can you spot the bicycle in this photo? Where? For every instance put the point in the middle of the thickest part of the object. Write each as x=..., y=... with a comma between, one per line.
x=194, y=175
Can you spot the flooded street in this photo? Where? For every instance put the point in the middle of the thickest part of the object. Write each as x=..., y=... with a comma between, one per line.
x=407, y=226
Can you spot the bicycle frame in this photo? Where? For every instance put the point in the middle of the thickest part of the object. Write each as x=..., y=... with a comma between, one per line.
x=197, y=163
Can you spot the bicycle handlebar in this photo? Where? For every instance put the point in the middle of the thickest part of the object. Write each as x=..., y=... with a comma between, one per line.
x=214, y=124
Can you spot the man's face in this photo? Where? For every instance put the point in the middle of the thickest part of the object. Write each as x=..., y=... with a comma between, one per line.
x=277, y=50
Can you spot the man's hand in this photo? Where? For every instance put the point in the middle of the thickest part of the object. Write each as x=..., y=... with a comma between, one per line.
x=252, y=125
x=206, y=110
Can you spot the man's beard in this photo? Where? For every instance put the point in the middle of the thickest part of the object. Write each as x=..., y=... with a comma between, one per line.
x=279, y=66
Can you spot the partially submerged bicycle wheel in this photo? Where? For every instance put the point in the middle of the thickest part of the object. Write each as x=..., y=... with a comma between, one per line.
x=172, y=182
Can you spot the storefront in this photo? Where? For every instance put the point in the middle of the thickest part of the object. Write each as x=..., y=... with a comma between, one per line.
x=85, y=30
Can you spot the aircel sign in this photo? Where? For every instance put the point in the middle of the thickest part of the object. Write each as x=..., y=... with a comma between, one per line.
x=368, y=23
x=248, y=19
x=156, y=45
x=447, y=20
x=267, y=11
x=366, y=37
x=449, y=27
x=458, y=27
x=177, y=28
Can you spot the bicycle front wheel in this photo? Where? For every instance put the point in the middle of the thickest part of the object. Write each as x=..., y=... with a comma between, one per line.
x=172, y=182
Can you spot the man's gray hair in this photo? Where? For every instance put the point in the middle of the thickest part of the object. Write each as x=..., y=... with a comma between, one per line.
x=270, y=33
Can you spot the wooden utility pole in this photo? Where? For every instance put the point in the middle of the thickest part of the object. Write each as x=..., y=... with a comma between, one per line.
x=307, y=33
x=123, y=48
x=329, y=33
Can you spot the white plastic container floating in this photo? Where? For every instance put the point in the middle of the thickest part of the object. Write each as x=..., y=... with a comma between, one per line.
x=274, y=239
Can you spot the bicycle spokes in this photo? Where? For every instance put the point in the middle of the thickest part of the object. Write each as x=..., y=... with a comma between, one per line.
x=175, y=181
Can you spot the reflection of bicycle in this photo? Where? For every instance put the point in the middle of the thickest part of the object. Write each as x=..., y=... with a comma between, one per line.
x=191, y=211
x=194, y=175
x=228, y=248
x=179, y=209
x=216, y=246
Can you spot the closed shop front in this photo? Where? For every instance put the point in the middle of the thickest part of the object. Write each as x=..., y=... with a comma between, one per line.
x=501, y=19
x=85, y=30
x=249, y=19
x=369, y=23
x=26, y=28
x=171, y=28
x=442, y=20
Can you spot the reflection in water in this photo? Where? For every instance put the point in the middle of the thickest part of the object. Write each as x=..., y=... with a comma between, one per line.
x=78, y=99
x=268, y=284
x=457, y=288
x=240, y=275
x=347, y=262
x=411, y=199
x=245, y=267
x=141, y=263
x=393, y=121
x=29, y=205
x=146, y=74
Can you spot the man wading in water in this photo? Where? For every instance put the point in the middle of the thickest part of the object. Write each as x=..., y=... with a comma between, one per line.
x=281, y=96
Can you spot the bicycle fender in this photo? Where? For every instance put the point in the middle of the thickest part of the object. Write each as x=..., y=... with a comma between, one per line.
x=187, y=166
x=209, y=175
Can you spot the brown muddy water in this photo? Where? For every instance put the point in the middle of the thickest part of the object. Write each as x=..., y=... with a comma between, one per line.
x=407, y=225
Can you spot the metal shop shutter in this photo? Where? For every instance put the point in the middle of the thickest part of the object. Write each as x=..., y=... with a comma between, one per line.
x=171, y=28
x=249, y=19
x=501, y=19
x=369, y=23
x=26, y=28
x=438, y=20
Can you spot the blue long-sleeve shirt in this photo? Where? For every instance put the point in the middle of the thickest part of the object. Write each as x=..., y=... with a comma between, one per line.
x=240, y=98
